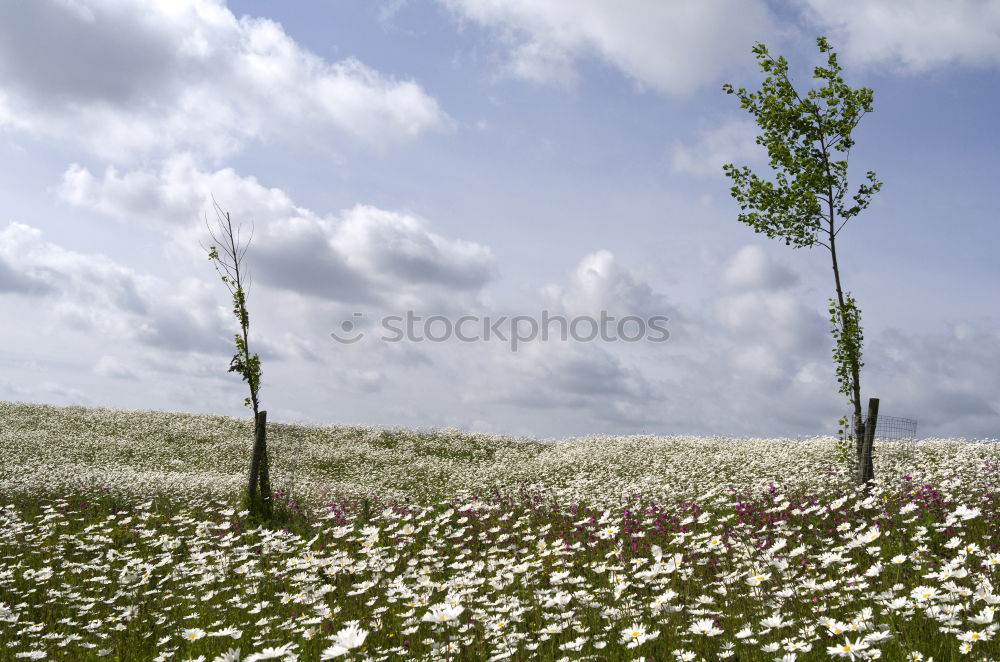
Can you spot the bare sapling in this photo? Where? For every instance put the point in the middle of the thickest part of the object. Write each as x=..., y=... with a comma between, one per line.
x=231, y=268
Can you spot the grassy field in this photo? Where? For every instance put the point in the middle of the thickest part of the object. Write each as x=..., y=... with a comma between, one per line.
x=122, y=538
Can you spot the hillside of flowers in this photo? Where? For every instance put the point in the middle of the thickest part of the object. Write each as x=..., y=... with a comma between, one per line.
x=123, y=537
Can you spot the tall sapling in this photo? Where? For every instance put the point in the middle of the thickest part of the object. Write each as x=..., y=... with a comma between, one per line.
x=804, y=135
x=228, y=267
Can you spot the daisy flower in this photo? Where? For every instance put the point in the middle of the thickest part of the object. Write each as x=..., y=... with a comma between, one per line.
x=442, y=613
x=973, y=636
x=352, y=636
x=705, y=626
x=272, y=653
x=576, y=645
x=850, y=650
x=636, y=635
x=232, y=655
x=924, y=593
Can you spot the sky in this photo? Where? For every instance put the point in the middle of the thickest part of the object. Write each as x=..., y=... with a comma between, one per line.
x=487, y=159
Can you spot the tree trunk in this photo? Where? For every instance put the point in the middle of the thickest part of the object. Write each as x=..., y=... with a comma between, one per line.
x=859, y=442
x=866, y=469
x=258, y=458
x=859, y=426
x=265, y=472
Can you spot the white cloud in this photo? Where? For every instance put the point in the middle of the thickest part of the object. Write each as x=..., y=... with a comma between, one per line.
x=111, y=367
x=94, y=294
x=776, y=319
x=542, y=62
x=600, y=283
x=944, y=380
x=764, y=363
x=366, y=255
x=731, y=142
x=365, y=381
x=671, y=46
x=172, y=198
x=601, y=381
x=127, y=77
x=751, y=268
x=48, y=391
x=915, y=35
x=772, y=348
x=582, y=377
x=769, y=331
x=762, y=368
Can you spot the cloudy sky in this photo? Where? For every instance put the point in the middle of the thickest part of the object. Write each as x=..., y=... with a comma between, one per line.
x=488, y=158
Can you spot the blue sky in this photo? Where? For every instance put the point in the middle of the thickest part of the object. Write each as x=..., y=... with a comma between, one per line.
x=488, y=157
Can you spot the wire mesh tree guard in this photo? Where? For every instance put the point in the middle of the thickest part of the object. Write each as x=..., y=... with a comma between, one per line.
x=894, y=428
x=900, y=432
x=890, y=428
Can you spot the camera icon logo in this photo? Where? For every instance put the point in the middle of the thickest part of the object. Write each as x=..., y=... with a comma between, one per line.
x=347, y=336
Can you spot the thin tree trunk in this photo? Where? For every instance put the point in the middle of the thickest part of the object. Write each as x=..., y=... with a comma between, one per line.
x=866, y=470
x=259, y=417
x=859, y=427
x=265, y=470
x=243, y=326
x=259, y=451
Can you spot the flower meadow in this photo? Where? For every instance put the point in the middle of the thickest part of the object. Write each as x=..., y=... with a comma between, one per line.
x=122, y=537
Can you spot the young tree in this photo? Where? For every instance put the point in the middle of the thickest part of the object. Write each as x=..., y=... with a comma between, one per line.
x=808, y=139
x=248, y=366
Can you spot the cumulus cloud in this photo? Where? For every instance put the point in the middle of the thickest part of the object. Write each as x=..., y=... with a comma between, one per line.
x=760, y=337
x=124, y=78
x=915, y=35
x=600, y=283
x=947, y=381
x=48, y=391
x=601, y=381
x=30, y=281
x=733, y=142
x=751, y=268
x=543, y=63
x=581, y=377
x=775, y=319
x=364, y=255
x=670, y=46
x=94, y=294
x=398, y=248
x=113, y=368
x=769, y=356
x=763, y=369
x=365, y=381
